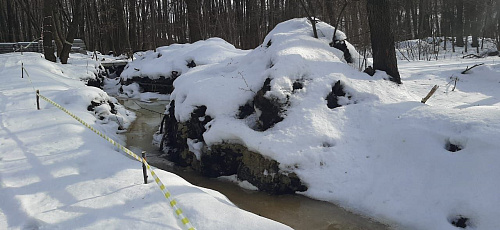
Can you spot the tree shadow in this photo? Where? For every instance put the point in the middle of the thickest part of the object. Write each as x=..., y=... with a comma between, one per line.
x=19, y=202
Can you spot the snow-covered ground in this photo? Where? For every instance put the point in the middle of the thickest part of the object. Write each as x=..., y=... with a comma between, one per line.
x=57, y=174
x=383, y=153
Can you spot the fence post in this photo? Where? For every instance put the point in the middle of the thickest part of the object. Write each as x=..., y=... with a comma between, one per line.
x=37, y=99
x=22, y=70
x=144, y=173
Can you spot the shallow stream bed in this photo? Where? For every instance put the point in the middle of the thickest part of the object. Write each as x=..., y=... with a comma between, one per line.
x=296, y=211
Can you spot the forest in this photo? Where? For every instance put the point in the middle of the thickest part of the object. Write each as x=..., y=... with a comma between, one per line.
x=124, y=26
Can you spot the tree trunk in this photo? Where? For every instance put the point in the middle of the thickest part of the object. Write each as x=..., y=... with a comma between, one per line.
x=123, y=45
x=57, y=31
x=11, y=22
x=193, y=8
x=475, y=25
x=382, y=38
x=133, y=24
x=48, y=48
x=423, y=21
x=72, y=30
x=459, y=29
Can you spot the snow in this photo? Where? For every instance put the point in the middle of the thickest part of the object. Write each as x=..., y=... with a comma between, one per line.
x=383, y=152
x=57, y=174
x=243, y=184
x=195, y=147
x=164, y=60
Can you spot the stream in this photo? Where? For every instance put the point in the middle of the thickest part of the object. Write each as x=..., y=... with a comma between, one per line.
x=296, y=211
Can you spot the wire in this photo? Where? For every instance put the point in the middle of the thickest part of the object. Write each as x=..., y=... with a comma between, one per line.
x=148, y=109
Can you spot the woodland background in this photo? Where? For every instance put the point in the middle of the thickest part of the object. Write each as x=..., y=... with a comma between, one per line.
x=131, y=25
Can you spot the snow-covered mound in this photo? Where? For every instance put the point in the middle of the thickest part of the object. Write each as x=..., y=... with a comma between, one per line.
x=57, y=174
x=289, y=54
x=176, y=57
x=155, y=71
x=381, y=153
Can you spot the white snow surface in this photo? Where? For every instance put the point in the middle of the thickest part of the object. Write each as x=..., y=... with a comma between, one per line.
x=57, y=174
x=164, y=60
x=383, y=152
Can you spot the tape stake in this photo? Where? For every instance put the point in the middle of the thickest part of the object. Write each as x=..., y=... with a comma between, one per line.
x=37, y=99
x=144, y=172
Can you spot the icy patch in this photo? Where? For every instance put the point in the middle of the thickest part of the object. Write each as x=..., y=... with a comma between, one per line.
x=243, y=184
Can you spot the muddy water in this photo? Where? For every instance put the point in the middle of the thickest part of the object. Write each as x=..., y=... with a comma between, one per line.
x=296, y=211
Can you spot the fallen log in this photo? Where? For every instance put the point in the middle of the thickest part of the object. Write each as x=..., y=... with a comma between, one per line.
x=429, y=95
x=471, y=56
x=467, y=69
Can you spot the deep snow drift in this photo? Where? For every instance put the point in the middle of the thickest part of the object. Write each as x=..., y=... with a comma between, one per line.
x=382, y=153
x=57, y=174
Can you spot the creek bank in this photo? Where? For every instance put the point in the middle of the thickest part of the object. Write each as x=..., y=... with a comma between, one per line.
x=162, y=84
x=184, y=144
x=296, y=211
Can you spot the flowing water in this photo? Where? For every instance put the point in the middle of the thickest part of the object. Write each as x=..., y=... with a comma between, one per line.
x=296, y=211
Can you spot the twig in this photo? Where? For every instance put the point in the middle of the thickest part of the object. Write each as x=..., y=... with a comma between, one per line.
x=452, y=79
x=246, y=83
x=455, y=85
x=467, y=69
x=403, y=55
x=310, y=18
x=338, y=20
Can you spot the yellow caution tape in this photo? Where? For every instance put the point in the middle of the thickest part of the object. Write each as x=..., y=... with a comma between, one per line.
x=173, y=203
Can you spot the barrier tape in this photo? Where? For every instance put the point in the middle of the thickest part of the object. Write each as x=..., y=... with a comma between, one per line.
x=172, y=202
x=29, y=78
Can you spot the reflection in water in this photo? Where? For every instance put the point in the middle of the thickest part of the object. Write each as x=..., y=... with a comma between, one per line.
x=296, y=211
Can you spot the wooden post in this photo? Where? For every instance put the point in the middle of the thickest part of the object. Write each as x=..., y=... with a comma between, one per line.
x=22, y=70
x=429, y=95
x=144, y=173
x=37, y=99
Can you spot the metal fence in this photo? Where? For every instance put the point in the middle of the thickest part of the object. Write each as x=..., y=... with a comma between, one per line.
x=21, y=46
x=8, y=47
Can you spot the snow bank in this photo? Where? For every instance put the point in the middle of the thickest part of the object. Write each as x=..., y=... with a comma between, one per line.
x=164, y=60
x=383, y=153
x=57, y=174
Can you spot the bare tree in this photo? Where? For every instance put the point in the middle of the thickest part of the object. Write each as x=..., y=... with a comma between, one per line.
x=244, y=23
x=72, y=30
x=382, y=38
x=311, y=15
x=459, y=22
x=48, y=48
x=193, y=9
